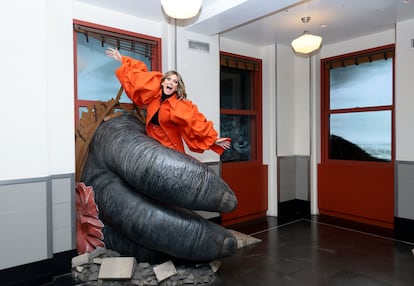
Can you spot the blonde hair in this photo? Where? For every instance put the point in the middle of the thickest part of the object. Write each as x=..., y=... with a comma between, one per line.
x=181, y=94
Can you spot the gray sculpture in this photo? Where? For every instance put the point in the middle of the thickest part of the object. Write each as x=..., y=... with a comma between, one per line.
x=146, y=192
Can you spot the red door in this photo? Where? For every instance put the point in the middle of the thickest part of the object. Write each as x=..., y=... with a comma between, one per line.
x=356, y=173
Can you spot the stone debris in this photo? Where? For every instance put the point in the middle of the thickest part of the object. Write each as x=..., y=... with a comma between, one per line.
x=164, y=271
x=98, y=252
x=244, y=239
x=97, y=260
x=80, y=259
x=86, y=271
x=117, y=268
x=215, y=265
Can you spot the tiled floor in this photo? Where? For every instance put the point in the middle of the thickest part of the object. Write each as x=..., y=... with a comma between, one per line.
x=308, y=252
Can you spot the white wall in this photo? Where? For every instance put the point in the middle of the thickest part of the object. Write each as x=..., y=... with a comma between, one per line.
x=201, y=73
x=404, y=90
x=23, y=90
x=357, y=44
x=269, y=124
x=301, y=104
x=37, y=127
x=105, y=17
x=37, y=88
x=285, y=94
x=60, y=88
x=404, y=102
x=315, y=131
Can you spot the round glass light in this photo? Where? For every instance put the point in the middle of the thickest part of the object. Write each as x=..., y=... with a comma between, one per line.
x=181, y=9
x=307, y=43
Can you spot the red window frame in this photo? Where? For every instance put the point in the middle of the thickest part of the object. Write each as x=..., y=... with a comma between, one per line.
x=155, y=60
x=243, y=62
x=343, y=60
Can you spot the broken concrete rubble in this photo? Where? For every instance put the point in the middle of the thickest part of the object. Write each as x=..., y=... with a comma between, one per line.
x=86, y=269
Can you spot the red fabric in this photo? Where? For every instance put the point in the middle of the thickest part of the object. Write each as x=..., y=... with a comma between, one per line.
x=179, y=119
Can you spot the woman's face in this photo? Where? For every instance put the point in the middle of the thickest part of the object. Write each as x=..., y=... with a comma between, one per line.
x=170, y=84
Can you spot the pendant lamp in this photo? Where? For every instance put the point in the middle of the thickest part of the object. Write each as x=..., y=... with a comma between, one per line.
x=181, y=9
x=306, y=43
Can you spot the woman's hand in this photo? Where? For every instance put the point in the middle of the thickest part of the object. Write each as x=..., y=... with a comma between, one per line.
x=224, y=143
x=114, y=53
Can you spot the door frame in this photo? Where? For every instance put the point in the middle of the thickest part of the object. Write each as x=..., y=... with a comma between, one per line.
x=360, y=191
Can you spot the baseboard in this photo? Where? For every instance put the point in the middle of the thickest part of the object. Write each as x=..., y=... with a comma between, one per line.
x=404, y=229
x=38, y=273
x=294, y=208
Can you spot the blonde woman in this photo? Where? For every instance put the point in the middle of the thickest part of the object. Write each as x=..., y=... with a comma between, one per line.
x=171, y=117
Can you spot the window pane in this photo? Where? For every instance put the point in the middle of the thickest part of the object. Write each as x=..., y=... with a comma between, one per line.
x=367, y=84
x=96, y=72
x=364, y=136
x=239, y=129
x=235, y=89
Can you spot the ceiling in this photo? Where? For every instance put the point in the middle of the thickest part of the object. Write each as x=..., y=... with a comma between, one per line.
x=266, y=22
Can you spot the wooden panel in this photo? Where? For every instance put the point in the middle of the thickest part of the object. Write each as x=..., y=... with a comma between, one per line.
x=250, y=186
x=359, y=192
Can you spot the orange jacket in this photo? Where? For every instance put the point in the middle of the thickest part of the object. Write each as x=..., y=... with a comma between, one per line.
x=179, y=118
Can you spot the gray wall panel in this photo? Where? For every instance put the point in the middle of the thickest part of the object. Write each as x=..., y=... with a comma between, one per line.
x=293, y=178
x=63, y=208
x=37, y=219
x=24, y=222
x=302, y=178
x=286, y=178
x=404, y=193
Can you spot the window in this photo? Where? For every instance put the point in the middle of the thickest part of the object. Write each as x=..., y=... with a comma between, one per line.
x=95, y=72
x=240, y=107
x=358, y=107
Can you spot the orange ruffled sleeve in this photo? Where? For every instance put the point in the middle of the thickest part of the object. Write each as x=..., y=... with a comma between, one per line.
x=141, y=85
x=197, y=132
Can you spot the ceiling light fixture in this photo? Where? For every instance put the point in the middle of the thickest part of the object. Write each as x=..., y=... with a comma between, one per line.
x=181, y=9
x=306, y=43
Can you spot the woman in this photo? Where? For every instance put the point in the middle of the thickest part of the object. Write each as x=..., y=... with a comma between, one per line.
x=171, y=118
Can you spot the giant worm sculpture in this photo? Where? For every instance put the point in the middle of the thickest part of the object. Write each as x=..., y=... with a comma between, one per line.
x=146, y=194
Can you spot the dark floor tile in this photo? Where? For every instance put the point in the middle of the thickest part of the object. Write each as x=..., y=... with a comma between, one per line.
x=310, y=253
x=63, y=280
x=347, y=278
